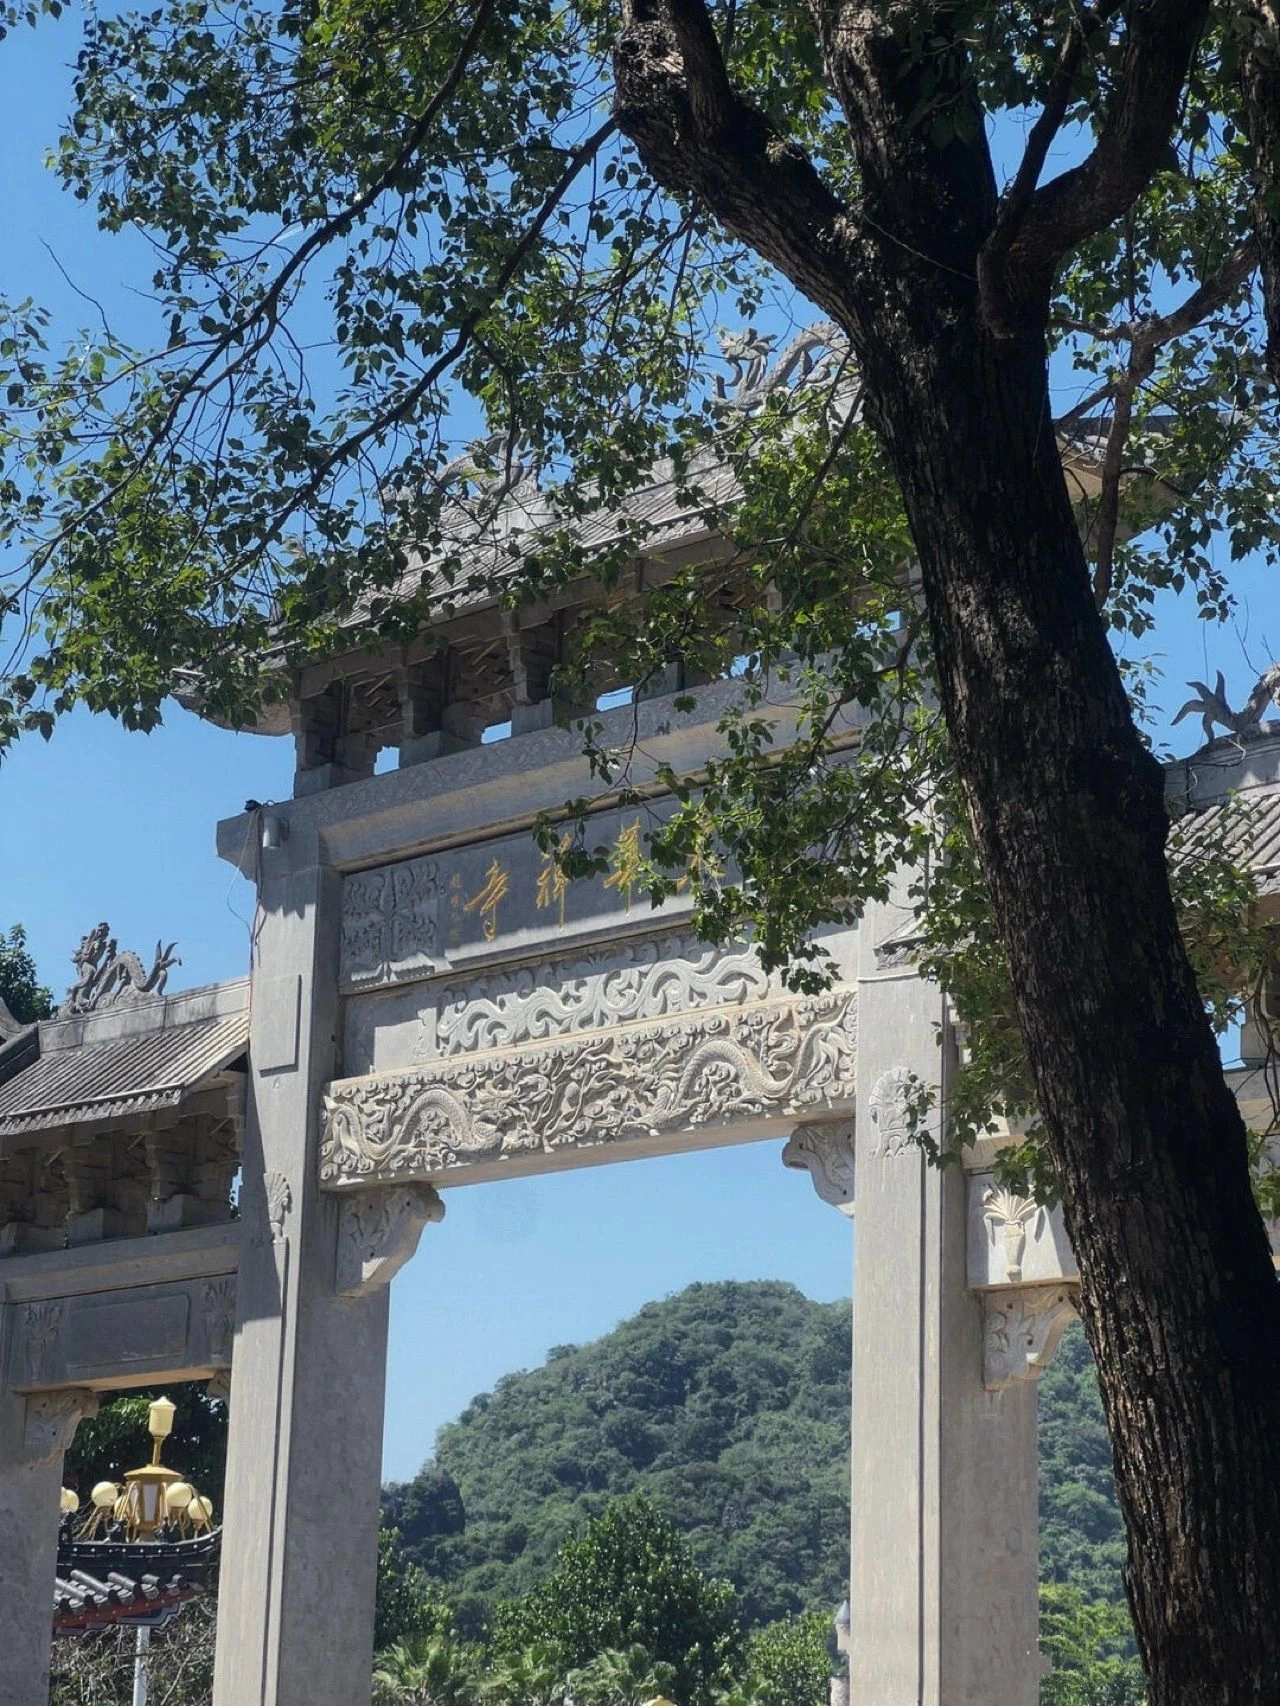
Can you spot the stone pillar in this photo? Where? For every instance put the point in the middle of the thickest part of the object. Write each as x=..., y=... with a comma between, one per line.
x=34, y=1434
x=944, y=1537
x=296, y=1601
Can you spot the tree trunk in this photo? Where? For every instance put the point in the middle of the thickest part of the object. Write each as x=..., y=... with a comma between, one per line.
x=1178, y=1294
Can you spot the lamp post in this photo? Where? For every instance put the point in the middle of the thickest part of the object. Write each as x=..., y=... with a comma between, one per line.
x=154, y=1523
x=146, y=1489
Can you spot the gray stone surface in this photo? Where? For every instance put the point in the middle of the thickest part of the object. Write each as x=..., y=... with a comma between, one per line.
x=301, y=1502
x=32, y=1443
x=944, y=1552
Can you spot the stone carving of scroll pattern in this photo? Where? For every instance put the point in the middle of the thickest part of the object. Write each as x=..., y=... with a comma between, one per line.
x=602, y=1088
x=634, y=981
x=826, y=1150
x=1021, y=1330
x=51, y=1421
x=389, y=924
x=378, y=1232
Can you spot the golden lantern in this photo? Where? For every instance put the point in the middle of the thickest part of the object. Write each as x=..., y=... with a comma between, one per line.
x=146, y=1489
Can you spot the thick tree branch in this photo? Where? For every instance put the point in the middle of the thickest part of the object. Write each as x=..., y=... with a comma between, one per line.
x=696, y=133
x=1017, y=272
x=1214, y=293
x=1260, y=64
x=1018, y=196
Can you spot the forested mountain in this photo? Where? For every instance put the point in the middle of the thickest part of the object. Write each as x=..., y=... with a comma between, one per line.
x=729, y=1405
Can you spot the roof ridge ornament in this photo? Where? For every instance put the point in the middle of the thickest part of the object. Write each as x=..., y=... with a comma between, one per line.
x=815, y=354
x=108, y=975
x=1245, y=724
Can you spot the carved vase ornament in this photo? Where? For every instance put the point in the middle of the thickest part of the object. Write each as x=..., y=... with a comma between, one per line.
x=1009, y=1218
x=889, y=1105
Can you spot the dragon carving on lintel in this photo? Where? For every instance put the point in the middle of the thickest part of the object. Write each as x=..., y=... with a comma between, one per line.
x=108, y=975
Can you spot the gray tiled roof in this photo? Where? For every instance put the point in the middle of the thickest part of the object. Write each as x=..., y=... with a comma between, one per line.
x=82, y=1602
x=126, y=1075
x=1245, y=827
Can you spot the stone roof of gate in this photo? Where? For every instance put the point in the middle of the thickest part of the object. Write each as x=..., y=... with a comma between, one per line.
x=108, y=1065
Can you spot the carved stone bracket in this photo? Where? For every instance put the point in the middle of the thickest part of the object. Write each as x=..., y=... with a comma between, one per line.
x=1021, y=1330
x=52, y=1419
x=378, y=1232
x=825, y=1150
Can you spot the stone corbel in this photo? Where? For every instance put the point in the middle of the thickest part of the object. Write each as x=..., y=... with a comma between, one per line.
x=1021, y=1329
x=52, y=1419
x=378, y=1231
x=825, y=1150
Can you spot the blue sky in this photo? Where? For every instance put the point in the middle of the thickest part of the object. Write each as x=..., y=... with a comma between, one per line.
x=105, y=824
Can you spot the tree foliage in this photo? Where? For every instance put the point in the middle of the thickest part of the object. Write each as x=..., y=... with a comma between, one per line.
x=627, y=1581
x=21, y=991
x=530, y=220
x=734, y=1399
x=727, y=1404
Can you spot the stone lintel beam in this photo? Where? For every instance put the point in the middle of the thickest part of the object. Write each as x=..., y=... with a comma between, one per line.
x=182, y=1330
x=825, y=1150
x=691, y=1081
x=378, y=1232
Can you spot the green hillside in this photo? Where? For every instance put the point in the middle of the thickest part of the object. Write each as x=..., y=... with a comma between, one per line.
x=729, y=1405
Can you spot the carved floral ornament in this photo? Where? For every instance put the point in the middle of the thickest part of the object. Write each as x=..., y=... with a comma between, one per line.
x=889, y=1106
x=626, y=1084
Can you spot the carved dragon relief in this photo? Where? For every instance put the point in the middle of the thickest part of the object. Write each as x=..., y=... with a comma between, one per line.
x=107, y=975
x=814, y=355
x=624, y=1084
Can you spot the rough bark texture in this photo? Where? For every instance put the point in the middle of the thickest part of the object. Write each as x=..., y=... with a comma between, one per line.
x=1260, y=66
x=1179, y=1297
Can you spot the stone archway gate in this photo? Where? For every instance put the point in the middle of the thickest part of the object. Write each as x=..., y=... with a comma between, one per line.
x=431, y=1006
